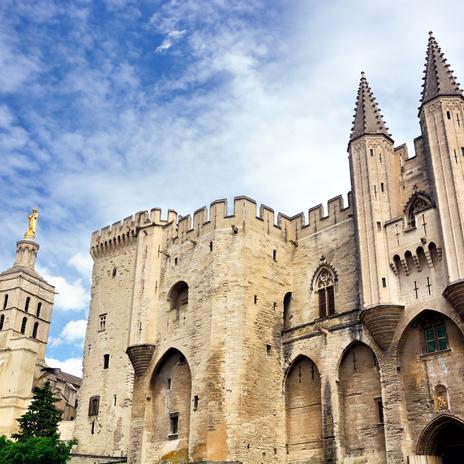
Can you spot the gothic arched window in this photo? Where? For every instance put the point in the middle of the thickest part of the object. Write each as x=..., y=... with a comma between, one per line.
x=26, y=306
x=35, y=330
x=417, y=203
x=23, y=325
x=178, y=298
x=325, y=289
x=39, y=307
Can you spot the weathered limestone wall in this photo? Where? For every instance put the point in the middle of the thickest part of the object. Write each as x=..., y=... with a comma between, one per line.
x=111, y=296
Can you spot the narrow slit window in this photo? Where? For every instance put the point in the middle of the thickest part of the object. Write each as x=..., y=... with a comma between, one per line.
x=35, y=330
x=2, y=321
x=23, y=325
x=38, y=310
x=5, y=298
x=384, y=282
x=106, y=361
x=448, y=115
x=382, y=187
x=26, y=306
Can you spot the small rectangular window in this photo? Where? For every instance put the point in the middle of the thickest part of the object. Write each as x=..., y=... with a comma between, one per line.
x=462, y=151
x=106, y=361
x=274, y=255
x=384, y=282
x=92, y=431
x=448, y=115
x=256, y=299
x=379, y=410
x=382, y=187
x=379, y=226
x=371, y=151
x=175, y=261
x=169, y=384
x=174, y=424
x=195, y=403
x=94, y=405
x=268, y=349
x=102, y=322
x=115, y=397
x=210, y=246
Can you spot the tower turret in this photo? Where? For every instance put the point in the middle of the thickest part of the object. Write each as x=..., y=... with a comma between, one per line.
x=442, y=122
x=26, y=301
x=370, y=150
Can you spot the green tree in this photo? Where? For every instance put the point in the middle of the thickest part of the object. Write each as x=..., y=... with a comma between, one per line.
x=38, y=439
x=42, y=418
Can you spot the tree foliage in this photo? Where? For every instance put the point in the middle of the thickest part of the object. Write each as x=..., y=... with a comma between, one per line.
x=42, y=418
x=37, y=441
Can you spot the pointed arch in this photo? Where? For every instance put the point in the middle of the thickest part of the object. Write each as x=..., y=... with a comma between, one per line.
x=360, y=390
x=178, y=298
x=303, y=410
x=287, y=309
x=419, y=201
x=23, y=325
x=431, y=337
x=171, y=387
x=442, y=435
x=323, y=283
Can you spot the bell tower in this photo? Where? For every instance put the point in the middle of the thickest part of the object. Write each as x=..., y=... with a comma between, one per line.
x=26, y=302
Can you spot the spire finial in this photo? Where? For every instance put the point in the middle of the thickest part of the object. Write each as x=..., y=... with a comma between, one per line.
x=438, y=78
x=367, y=117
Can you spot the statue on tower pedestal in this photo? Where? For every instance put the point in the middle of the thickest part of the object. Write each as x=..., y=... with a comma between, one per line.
x=30, y=232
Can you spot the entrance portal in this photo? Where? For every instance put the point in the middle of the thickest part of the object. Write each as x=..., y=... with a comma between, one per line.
x=443, y=437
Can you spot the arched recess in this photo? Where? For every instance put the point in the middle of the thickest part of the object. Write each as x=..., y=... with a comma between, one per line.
x=443, y=437
x=431, y=362
x=171, y=387
x=287, y=309
x=178, y=298
x=361, y=404
x=418, y=202
x=303, y=411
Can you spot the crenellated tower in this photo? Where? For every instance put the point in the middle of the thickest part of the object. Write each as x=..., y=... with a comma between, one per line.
x=26, y=301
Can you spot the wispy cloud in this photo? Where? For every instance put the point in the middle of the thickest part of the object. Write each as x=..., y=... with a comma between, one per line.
x=240, y=97
x=72, y=333
x=70, y=365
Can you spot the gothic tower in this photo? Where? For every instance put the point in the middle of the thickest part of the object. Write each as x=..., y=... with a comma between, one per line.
x=371, y=152
x=26, y=301
x=442, y=121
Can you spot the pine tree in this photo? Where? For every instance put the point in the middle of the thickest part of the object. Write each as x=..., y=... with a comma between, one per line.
x=42, y=418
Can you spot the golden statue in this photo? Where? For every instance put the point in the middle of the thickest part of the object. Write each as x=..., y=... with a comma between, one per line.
x=30, y=232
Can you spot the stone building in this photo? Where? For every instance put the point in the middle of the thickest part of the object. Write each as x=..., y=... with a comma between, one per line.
x=26, y=303
x=248, y=337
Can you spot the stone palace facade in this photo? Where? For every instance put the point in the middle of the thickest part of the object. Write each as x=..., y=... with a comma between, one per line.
x=254, y=337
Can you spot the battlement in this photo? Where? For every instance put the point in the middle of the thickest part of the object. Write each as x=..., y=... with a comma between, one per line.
x=245, y=215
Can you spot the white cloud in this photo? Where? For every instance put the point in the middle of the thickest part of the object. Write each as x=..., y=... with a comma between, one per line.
x=83, y=263
x=169, y=40
x=71, y=365
x=71, y=296
x=72, y=333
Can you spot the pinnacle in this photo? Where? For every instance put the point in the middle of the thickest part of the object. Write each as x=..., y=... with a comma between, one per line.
x=367, y=117
x=438, y=78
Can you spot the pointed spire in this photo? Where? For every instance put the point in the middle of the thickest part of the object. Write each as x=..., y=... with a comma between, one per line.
x=438, y=78
x=367, y=117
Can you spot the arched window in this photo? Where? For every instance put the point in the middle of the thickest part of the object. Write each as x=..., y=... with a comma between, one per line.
x=39, y=307
x=178, y=298
x=325, y=289
x=433, y=253
x=2, y=321
x=417, y=203
x=26, y=306
x=5, y=301
x=23, y=325
x=35, y=330
x=287, y=309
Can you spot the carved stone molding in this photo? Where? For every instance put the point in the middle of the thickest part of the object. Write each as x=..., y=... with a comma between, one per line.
x=381, y=321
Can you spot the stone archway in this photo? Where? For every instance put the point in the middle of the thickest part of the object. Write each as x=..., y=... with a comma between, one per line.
x=303, y=412
x=443, y=438
x=171, y=387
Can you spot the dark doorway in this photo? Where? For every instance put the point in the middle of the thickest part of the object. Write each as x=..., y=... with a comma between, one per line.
x=445, y=438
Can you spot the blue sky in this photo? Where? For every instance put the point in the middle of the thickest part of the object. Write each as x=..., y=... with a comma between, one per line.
x=114, y=106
